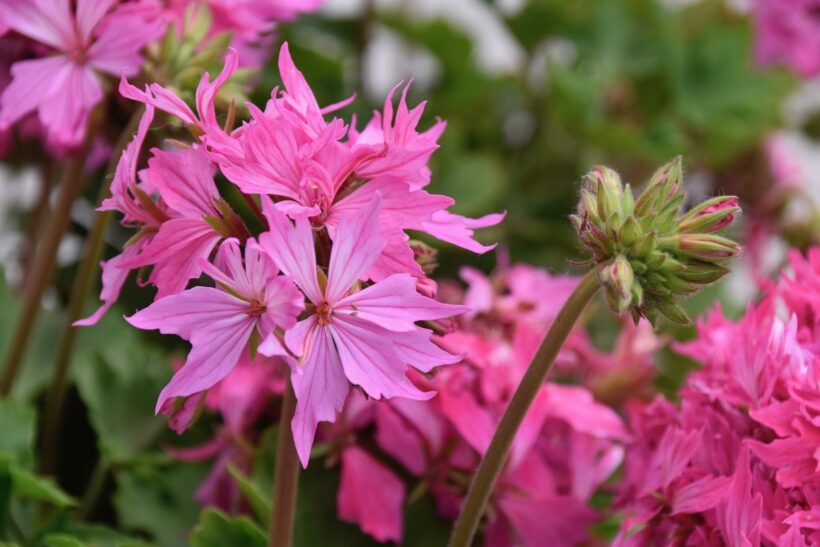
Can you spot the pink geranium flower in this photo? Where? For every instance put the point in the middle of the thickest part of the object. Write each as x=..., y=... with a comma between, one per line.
x=220, y=321
x=366, y=338
x=788, y=31
x=64, y=87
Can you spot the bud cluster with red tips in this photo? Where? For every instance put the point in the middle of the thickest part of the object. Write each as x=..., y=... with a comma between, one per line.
x=648, y=252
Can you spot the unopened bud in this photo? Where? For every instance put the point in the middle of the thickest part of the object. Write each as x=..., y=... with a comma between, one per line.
x=708, y=247
x=618, y=279
x=710, y=216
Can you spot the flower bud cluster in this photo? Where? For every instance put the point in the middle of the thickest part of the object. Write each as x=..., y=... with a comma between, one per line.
x=648, y=252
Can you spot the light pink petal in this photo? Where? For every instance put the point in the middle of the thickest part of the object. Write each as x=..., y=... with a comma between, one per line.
x=271, y=346
x=66, y=112
x=370, y=495
x=116, y=50
x=369, y=362
x=292, y=249
x=701, y=495
x=396, y=257
x=356, y=245
x=185, y=180
x=283, y=302
x=214, y=354
x=47, y=21
x=321, y=389
x=458, y=230
x=577, y=406
x=299, y=95
x=160, y=98
x=113, y=278
x=395, y=304
x=557, y=521
x=188, y=312
x=32, y=84
x=299, y=337
x=89, y=14
x=416, y=348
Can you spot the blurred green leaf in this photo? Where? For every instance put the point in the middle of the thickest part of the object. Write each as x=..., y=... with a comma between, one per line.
x=159, y=501
x=259, y=502
x=215, y=529
x=17, y=423
x=26, y=484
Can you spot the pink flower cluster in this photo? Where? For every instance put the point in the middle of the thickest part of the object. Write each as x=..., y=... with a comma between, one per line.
x=736, y=461
x=78, y=46
x=315, y=268
x=568, y=446
x=788, y=32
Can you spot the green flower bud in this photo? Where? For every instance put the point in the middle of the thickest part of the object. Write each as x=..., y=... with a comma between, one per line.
x=648, y=251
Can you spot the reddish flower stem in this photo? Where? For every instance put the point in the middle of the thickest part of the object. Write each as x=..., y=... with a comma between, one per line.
x=493, y=462
x=286, y=477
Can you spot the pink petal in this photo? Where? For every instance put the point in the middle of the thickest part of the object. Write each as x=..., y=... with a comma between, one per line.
x=577, y=406
x=473, y=421
x=369, y=362
x=458, y=230
x=559, y=521
x=113, y=278
x=416, y=348
x=395, y=304
x=89, y=14
x=292, y=249
x=185, y=180
x=206, y=91
x=32, y=84
x=175, y=252
x=701, y=495
x=160, y=98
x=400, y=440
x=46, y=21
x=299, y=95
x=356, y=245
x=370, y=495
x=321, y=389
x=65, y=114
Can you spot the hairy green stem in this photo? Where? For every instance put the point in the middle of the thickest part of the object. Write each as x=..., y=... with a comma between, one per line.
x=43, y=264
x=488, y=471
x=286, y=477
x=83, y=281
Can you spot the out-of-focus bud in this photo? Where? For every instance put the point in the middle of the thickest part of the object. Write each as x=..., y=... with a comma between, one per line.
x=424, y=255
x=647, y=252
x=427, y=287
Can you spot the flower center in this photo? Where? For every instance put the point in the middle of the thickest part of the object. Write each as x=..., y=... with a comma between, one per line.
x=323, y=313
x=256, y=308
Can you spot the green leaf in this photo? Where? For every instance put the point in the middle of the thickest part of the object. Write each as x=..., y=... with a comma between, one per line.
x=119, y=382
x=159, y=501
x=215, y=529
x=260, y=503
x=62, y=540
x=28, y=485
x=17, y=423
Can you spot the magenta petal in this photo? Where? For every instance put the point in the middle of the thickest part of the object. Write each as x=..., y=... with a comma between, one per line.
x=559, y=521
x=400, y=440
x=394, y=304
x=701, y=495
x=370, y=495
x=321, y=389
x=48, y=21
x=458, y=230
x=473, y=422
x=113, y=278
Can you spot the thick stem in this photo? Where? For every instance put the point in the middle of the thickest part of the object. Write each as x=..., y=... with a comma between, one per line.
x=43, y=264
x=488, y=471
x=286, y=477
x=83, y=280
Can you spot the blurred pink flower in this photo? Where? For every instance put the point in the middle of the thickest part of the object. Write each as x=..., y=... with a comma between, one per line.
x=788, y=32
x=64, y=87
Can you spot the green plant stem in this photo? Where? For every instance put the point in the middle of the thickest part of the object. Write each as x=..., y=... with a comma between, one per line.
x=491, y=465
x=286, y=477
x=83, y=281
x=94, y=489
x=43, y=264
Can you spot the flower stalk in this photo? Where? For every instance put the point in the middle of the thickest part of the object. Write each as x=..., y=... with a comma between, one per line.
x=44, y=259
x=488, y=471
x=286, y=477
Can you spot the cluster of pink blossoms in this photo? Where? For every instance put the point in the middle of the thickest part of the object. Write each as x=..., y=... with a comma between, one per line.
x=569, y=445
x=319, y=272
x=788, y=32
x=736, y=461
x=63, y=55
